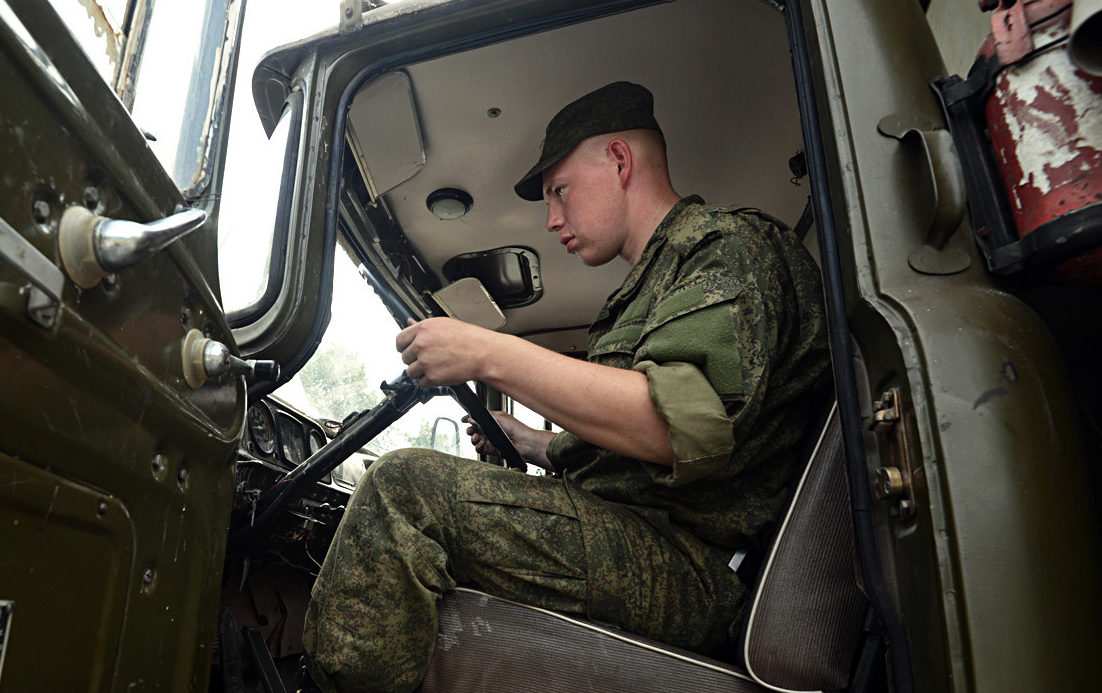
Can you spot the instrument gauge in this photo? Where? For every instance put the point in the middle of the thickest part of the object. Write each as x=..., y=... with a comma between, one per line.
x=262, y=428
x=292, y=439
x=317, y=440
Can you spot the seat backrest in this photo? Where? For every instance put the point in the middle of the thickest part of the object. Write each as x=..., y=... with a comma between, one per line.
x=806, y=618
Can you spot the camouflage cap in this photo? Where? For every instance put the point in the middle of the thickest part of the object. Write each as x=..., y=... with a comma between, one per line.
x=612, y=108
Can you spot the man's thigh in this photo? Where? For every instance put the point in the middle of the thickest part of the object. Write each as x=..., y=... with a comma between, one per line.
x=538, y=541
x=519, y=537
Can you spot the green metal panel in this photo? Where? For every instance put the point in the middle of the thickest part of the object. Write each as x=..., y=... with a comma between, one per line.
x=118, y=477
x=997, y=572
x=68, y=555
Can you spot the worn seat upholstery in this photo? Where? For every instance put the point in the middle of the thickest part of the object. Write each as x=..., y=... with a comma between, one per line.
x=803, y=630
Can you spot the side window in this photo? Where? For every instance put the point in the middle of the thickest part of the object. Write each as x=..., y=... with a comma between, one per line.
x=254, y=215
x=168, y=62
x=258, y=179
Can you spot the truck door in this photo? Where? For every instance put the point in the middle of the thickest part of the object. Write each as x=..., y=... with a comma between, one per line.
x=116, y=473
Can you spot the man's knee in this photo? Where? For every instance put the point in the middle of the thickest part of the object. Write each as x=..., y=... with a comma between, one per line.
x=404, y=471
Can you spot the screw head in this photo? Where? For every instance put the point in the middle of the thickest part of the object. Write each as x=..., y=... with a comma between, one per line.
x=147, y=577
x=158, y=465
x=91, y=196
x=40, y=210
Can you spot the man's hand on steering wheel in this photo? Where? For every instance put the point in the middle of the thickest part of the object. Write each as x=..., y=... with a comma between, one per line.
x=530, y=442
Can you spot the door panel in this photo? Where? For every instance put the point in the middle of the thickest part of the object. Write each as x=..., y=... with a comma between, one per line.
x=117, y=476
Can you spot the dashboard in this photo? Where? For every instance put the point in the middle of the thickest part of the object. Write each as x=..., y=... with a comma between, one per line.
x=279, y=434
x=277, y=439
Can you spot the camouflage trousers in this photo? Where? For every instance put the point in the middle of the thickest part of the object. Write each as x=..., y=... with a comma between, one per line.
x=421, y=522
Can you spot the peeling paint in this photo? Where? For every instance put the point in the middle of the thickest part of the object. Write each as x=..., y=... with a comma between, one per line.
x=1055, y=119
x=1045, y=120
x=105, y=28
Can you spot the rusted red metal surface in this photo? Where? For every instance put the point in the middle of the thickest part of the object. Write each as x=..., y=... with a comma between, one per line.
x=1045, y=122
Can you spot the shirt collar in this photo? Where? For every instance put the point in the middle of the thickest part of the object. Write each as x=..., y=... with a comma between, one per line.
x=654, y=245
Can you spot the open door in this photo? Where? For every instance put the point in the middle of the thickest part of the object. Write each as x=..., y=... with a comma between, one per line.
x=117, y=471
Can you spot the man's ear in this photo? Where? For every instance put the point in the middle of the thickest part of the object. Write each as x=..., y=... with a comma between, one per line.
x=620, y=153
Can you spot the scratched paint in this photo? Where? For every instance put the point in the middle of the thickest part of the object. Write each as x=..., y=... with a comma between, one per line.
x=1046, y=126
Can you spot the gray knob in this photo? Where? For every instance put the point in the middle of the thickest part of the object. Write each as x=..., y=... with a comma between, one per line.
x=218, y=361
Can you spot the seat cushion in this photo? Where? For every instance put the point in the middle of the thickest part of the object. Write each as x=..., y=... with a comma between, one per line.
x=490, y=644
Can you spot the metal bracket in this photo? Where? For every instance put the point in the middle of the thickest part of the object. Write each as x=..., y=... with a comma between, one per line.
x=352, y=17
x=47, y=281
x=894, y=480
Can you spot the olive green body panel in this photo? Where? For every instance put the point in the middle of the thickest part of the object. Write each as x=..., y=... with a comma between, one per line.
x=118, y=477
x=75, y=545
x=997, y=572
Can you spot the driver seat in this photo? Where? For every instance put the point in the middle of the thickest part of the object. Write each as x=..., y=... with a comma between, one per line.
x=803, y=632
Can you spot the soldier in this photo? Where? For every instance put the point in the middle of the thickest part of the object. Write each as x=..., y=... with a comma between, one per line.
x=679, y=438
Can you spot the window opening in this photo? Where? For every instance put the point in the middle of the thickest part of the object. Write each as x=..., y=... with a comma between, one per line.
x=355, y=355
x=258, y=182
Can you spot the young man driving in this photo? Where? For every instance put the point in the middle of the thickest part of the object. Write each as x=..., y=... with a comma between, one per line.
x=680, y=431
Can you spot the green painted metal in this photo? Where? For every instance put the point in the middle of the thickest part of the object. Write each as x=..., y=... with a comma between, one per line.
x=997, y=574
x=118, y=477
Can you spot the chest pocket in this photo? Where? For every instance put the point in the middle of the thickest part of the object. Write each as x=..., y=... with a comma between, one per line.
x=614, y=342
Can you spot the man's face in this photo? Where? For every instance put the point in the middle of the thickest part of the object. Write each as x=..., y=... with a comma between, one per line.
x=585, y=204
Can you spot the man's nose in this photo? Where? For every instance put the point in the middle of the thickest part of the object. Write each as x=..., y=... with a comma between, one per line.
x=554, y=218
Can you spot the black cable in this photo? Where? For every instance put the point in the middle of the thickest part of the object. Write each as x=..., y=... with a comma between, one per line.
x=842, y=357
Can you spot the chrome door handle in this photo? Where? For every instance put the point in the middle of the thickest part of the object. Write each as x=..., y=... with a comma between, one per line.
x=93, y=247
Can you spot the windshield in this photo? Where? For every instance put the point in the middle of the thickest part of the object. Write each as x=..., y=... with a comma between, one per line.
x=354, y=357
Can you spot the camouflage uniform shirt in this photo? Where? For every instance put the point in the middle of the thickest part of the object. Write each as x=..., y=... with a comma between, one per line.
x=724, y=314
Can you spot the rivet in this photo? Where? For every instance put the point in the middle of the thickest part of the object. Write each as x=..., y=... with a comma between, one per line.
x=147, y=577
x=181, y=476
x=158, y=465
x=91, y=196
x=41, y=211
x=102, y=509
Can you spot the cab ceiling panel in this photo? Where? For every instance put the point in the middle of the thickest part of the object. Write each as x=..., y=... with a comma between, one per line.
x=483, y=113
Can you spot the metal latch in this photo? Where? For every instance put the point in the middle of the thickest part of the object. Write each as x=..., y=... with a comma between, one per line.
x=894, y=480
x=206, y=358
x=47, y=281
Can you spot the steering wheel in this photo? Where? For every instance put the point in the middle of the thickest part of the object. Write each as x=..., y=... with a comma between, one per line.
x=470, y=402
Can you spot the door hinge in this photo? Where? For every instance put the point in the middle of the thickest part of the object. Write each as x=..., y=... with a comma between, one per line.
x=894, y=479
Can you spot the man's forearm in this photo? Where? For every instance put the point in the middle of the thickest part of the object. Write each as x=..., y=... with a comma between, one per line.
x=608, y=407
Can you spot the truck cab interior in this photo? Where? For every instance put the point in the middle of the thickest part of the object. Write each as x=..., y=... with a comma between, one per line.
x=186, y=431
